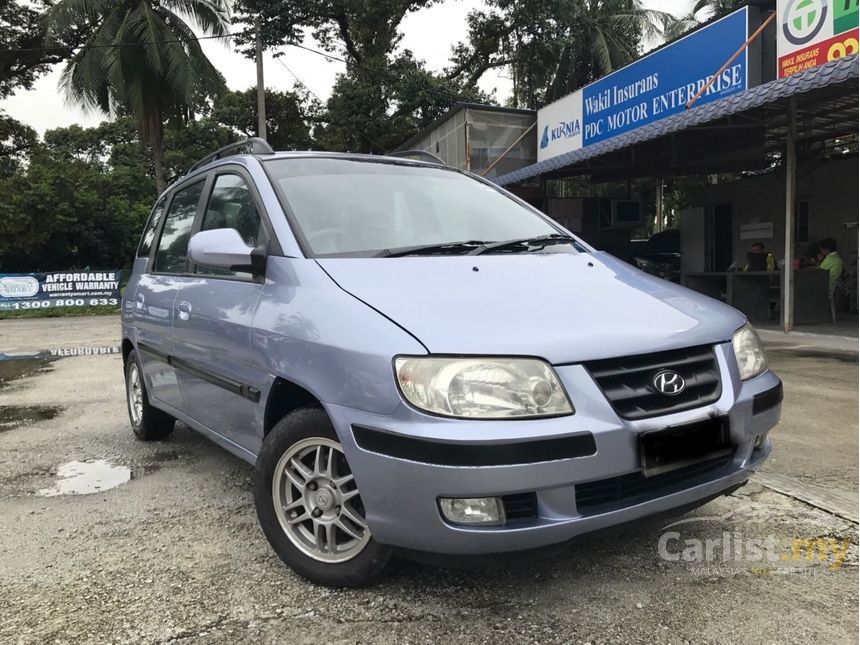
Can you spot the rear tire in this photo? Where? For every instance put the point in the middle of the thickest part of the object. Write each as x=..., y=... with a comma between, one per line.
x=147, y=422
x=309, y=506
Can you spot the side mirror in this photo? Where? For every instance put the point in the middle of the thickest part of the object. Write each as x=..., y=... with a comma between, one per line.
x=224, y=248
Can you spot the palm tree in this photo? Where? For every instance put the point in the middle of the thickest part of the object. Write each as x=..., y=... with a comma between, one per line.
x=604, y=35
x=701, y=12
x=140, y=58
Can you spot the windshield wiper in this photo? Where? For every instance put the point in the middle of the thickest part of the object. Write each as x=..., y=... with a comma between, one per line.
x=431, y=249
x=528, y=242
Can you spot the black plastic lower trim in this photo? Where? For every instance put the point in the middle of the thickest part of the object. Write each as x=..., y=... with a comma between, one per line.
x=245, y=391
x=767, y=399
x=613, y=493
x=470, y=454
x=152, y=352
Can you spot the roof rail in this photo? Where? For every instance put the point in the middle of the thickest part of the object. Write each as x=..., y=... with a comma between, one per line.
x=418, y=155
x=251, y=145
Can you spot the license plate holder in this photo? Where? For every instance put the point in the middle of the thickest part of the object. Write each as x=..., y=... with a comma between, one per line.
x=683, y=445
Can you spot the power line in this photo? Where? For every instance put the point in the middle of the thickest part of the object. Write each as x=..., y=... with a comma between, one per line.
x=367, y=138
x=453, y=97
x=299, y=81
x=381, y=72
x=24, y=50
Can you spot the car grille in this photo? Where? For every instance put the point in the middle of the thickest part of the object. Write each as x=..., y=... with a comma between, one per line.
x=604, y=495
x=627, y=381
x=520, y=506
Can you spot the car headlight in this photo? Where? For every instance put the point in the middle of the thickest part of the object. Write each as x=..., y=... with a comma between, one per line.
x=749, y=352
x=481, y=388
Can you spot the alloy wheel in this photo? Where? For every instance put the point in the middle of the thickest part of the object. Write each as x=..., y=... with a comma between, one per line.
x=135, y=395
x=317, y=501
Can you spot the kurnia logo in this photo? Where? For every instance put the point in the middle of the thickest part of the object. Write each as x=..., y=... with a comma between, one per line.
x=564, y=129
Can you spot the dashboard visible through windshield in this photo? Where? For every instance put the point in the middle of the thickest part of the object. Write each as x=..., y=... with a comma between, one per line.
x=359, y=208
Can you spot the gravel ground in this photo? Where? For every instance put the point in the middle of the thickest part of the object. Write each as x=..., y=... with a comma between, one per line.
x=175, y=554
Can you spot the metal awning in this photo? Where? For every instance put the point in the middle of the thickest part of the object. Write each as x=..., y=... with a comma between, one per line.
x=826, y=107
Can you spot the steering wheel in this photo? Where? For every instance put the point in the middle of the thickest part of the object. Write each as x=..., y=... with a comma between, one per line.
x=328, y=237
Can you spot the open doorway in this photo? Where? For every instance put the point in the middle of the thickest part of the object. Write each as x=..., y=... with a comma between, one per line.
x=720, y=254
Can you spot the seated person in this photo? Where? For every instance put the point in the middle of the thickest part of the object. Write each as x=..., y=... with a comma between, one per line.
x=830, y=261
x=809, y=257
x=756, y=258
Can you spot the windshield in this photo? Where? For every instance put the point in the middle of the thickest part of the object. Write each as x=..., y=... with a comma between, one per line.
x=366, y=208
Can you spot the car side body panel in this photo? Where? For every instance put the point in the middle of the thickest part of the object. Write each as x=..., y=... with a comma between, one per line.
x=341, y=358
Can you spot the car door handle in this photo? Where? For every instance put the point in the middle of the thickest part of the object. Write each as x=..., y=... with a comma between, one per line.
x=140, y=301
x=184, y=310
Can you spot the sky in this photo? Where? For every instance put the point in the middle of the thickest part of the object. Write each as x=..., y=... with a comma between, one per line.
x=429, y=33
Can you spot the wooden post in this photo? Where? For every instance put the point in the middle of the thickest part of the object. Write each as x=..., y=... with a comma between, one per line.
x=261, y=87
x=740, y=50
x=510, y=147
x=790, y=179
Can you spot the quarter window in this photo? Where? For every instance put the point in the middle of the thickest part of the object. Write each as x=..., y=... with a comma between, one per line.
x=172, y=253
x=231, y=205
x=151, y=227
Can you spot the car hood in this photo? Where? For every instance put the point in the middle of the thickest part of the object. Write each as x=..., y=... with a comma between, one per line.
x=562, y=307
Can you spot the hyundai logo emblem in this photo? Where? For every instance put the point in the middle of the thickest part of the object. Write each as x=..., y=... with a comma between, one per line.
x=669, y=383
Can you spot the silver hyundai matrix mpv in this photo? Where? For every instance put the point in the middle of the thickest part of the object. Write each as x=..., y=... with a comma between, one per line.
x=415, y=359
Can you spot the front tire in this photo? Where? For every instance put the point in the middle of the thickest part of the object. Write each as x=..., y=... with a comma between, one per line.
x=309, y=505
x=147, y=422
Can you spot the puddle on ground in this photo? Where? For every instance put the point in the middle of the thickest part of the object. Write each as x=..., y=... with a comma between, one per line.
x=14, y=416
x=17, y=365
x=14, y=367
x=83, y=478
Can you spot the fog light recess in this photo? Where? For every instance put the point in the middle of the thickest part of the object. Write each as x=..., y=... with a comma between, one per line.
x=472, y=510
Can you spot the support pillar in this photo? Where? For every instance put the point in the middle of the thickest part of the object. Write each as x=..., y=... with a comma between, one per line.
x=790, y=187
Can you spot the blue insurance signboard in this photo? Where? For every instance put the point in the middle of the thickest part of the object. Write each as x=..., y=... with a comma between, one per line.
x=655, y=86
x=74, y=288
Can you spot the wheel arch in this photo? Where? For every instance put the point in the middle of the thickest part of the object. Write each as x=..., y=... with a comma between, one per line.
x=284, y=397
x=127, y=347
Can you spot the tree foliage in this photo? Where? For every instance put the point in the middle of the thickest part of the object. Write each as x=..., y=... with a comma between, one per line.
x=377, y=109
x=365, y=32
x=288, y=117
x=140, y=58
x=16, y=140
x=81, y=200
x=701, y=12
x=553, y=47
x=23, y=28
x=80, y=196
x=385, y=94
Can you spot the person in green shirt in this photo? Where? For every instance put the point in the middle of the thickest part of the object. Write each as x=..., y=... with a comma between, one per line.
x=831, y=262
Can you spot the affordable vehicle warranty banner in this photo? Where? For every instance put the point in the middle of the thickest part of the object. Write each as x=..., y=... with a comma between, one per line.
x=59, y=289
x=655, y=86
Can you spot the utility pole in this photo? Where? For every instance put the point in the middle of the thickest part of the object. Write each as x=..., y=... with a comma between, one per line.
x=261, y=87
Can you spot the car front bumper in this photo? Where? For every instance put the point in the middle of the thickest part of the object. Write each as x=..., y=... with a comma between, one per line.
x=400, y=494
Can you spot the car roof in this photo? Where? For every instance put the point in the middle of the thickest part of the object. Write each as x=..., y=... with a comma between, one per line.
x=289, y=154
x=242, y=159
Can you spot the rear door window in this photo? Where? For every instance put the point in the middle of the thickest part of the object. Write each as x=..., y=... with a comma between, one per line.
x=172, y=253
